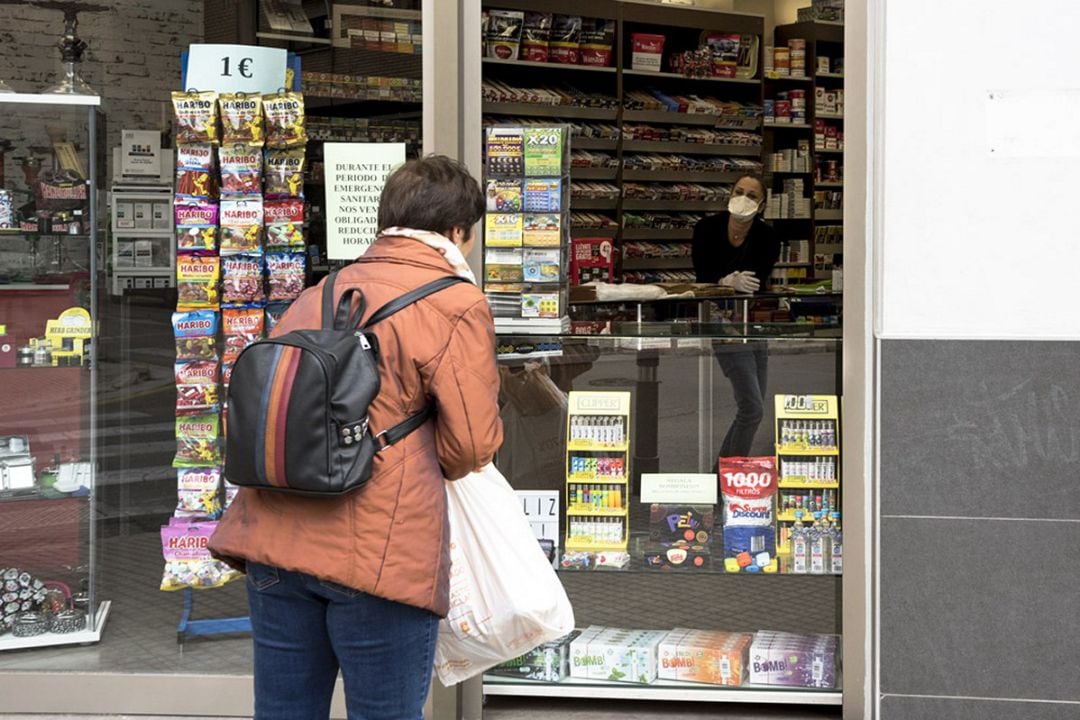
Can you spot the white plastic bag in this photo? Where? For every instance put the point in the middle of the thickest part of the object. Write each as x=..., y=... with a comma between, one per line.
x=505, y=598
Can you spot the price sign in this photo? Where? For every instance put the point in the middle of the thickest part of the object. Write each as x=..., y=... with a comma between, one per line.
x=235, y=68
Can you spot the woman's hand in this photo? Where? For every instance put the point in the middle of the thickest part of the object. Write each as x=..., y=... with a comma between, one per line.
x=743, y=281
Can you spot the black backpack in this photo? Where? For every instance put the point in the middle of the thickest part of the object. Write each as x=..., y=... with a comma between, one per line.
x=298, y=403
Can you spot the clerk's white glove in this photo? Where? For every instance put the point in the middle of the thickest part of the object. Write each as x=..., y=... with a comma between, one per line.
x=743, y=281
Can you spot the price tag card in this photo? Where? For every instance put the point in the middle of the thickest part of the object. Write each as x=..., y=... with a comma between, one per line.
x=235, y=68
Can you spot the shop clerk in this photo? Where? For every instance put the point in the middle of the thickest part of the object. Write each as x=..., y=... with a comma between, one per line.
x=736, y=248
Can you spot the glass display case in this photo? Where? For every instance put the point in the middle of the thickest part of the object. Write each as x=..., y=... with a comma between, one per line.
x=660, y=617
x=48, y=371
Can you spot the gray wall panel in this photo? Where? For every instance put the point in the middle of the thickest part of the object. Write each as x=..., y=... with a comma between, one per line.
x=980, y=608
x=979, y=428
x=918, y=708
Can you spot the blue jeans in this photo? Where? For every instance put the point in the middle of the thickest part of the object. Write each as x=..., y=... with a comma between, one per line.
x=747, y=368
x=306, y=629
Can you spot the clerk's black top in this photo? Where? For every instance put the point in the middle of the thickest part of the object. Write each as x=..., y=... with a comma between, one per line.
x=715, y=257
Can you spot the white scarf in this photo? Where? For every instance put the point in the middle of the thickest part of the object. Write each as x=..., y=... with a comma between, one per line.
x=449, y=251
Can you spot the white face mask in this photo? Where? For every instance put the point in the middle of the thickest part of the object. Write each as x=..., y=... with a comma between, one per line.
x=742, y=207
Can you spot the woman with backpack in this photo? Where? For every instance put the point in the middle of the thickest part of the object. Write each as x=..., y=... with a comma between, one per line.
x=357, y=583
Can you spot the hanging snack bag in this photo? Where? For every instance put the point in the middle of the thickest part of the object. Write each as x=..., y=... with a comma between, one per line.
x=241, y=119
x=197, y=282
x=565, y=39
x=242, y=279
x=597, y=40
x=274, y=311
x=241, y=170
x=285, y=120
x=198, y=493
x=535, y=35
x=285, y=173
x=504, y=34
x=241, y=225
x=195, y=176
x=284, y=221
x=196, y=224
x=197, y=387
x=287, y=275
x=188, y=563
x=196, y=335
x=196, y=116
x=243, y=326
x=748, y=485
x=197, y=441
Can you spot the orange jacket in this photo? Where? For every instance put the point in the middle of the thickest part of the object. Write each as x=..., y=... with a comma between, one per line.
x=389, y=539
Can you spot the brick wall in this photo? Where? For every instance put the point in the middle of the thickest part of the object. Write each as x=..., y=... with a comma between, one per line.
x=133, y=62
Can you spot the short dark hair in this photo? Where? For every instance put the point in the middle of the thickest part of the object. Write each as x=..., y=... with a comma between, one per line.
x=760, y=180
x=434, y=193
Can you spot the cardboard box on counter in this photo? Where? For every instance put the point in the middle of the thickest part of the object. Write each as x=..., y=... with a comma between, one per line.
x=778, y=658
x=705, y=656
x=603, y=653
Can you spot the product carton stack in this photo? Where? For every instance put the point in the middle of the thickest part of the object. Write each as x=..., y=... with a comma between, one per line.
x=705, y=656
x=603, y=653
x=779, y=658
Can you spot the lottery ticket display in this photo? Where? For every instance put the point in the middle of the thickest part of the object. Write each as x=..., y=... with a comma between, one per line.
x=240, y=239
x=526, y=227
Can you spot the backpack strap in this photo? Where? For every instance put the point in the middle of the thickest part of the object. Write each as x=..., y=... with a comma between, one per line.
x=338, y=318
x=388, y=437
x=410, y=297
x=392, y=435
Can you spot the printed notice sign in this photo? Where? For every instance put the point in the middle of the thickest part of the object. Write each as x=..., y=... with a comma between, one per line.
x=140, y=153
x=355, y=175
x=689, y=488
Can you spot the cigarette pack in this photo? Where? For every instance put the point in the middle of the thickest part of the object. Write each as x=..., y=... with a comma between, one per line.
x=603, y=653
x=704, y=656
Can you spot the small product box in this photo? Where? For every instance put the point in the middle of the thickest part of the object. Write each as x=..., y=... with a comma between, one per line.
x=676, y=556
x=603, y=653
x=671, y=523
x=647, y=50
x=779, y=658
x=548, y=663
x=125, y=254
x=704, y=656
x=7, y=348
x=144, y=216
x=144, y=253
x=162, y=216
x=125, y=216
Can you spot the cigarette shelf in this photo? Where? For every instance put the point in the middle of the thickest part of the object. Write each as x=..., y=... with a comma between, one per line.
x=789, y=78
x=594, y=203
x=828, y=116
x=787, y=126
x=680, y=175
x=594, y=173
x=830, y=76
x=548, y=65
x=821, y=214
x=689, y=148
x=660, y=263
x=679, y=76
x=788, y=172
x=605, y=232
x=658, y=233
x=567, y=112
x=683, y=205
x=589, y=143
x=679, y=118
x=829, y=151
